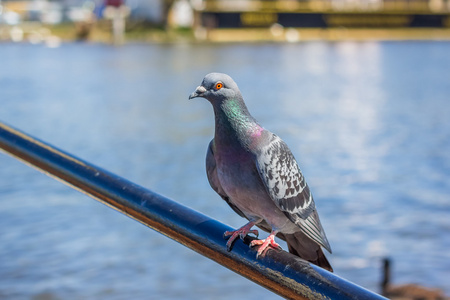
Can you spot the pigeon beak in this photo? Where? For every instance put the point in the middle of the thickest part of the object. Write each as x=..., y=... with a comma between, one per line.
x=199, y=91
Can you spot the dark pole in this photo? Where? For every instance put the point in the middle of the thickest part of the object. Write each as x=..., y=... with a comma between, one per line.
x=280, y=272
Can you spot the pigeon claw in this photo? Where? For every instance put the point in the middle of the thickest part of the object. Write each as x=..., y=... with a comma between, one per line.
x=241, y=233
x=265, y=245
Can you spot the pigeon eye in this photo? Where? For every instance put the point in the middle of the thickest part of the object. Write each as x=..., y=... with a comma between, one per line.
x=218, y=86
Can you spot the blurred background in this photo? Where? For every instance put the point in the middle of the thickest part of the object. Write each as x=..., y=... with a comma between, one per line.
x=50, y=21
x=364, y=107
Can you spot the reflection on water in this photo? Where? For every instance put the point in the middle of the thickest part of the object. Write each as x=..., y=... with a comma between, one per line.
x=368, y=123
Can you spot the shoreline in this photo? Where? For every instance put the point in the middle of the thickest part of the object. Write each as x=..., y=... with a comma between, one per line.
x=69, y=32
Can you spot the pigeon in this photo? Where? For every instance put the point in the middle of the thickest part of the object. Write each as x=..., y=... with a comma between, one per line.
x=255, y=172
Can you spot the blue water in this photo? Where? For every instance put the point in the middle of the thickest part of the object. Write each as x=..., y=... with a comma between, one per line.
x=368, y=123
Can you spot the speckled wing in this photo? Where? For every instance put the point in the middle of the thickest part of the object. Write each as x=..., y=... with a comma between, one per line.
x=288, y=189
x=211, y=172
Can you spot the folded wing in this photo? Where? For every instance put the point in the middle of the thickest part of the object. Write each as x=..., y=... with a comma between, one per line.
x=287, y=187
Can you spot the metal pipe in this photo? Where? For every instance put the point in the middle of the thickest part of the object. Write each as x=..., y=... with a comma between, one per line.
x=280, y=272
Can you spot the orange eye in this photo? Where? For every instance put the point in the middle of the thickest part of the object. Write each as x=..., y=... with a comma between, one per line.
x=218, y=86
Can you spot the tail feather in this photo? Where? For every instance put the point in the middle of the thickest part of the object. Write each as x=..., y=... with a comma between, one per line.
x=299, y=244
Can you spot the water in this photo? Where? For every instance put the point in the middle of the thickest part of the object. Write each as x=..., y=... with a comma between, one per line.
x=368, y=123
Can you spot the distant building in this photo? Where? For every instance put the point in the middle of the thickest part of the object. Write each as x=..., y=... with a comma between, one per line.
x=56, y=11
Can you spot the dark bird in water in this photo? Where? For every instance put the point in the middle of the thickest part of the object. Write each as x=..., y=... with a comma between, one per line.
x=406, y=291
x=254, y=171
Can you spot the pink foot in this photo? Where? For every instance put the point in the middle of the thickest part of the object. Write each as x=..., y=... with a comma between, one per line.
x=265, y=244
x=241, y=232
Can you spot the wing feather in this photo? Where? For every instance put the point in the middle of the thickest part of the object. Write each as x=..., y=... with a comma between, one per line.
x=288, y=189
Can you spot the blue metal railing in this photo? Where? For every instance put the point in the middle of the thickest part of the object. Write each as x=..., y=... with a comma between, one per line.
x=280, y=272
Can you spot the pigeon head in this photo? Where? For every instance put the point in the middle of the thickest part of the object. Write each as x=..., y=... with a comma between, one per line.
x=217, y=87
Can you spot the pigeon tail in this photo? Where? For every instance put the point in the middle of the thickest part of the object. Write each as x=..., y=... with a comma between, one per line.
x=299, y=244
